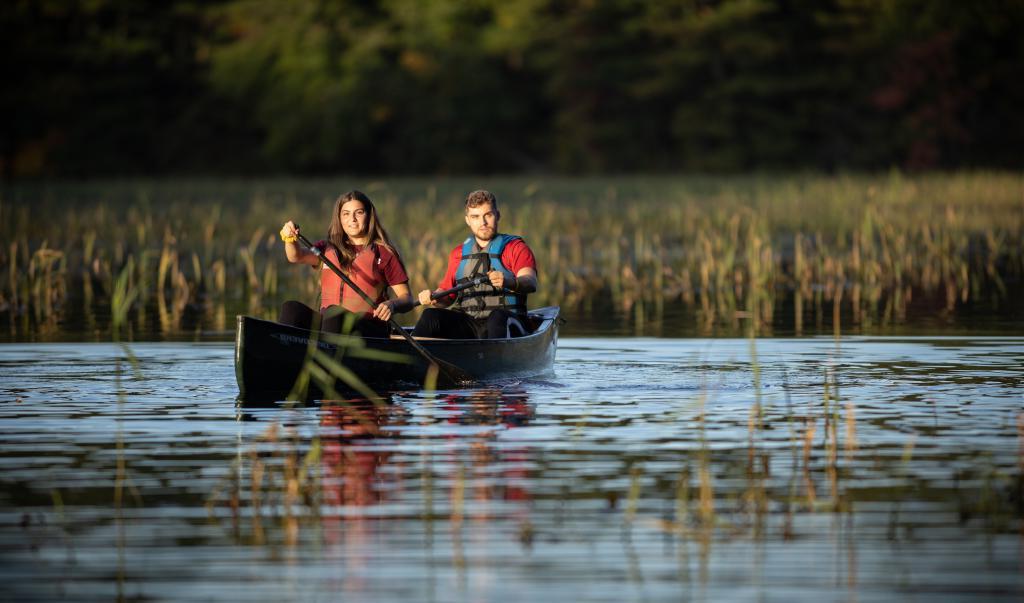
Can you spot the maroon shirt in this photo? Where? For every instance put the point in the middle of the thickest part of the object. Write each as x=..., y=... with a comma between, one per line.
x=373, y=273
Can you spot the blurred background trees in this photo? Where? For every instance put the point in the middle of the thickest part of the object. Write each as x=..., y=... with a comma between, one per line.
x=122, y=87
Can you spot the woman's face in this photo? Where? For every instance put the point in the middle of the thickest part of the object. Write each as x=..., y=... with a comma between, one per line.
x=354, y=219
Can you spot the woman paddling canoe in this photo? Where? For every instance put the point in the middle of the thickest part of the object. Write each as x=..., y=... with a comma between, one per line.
x=359, y=244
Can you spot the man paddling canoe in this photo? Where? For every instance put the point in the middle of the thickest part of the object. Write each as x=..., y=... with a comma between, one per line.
x=493, y=309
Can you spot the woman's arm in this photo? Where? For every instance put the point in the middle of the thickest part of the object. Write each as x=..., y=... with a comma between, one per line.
x=400, y=302
x=292, y=250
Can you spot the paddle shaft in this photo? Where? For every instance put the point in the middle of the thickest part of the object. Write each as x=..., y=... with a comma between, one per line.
x=451, y=371
x=466, y=285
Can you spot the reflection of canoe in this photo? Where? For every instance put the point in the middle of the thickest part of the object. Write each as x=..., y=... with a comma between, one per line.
x=269, y=356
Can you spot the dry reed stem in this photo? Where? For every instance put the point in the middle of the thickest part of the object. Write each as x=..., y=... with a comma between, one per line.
x=868, y=250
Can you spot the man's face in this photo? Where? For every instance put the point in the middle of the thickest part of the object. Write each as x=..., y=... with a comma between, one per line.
x=483, y=221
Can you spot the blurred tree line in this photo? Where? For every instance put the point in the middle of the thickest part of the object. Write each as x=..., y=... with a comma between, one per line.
x=117, y=87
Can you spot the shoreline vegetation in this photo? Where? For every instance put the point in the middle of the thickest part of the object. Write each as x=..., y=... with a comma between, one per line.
x=104, y=88
x=841, y=250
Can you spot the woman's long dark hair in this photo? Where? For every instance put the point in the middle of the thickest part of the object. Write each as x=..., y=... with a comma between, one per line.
x=336, y=234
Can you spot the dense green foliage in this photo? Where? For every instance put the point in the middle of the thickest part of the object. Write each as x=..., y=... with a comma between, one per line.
x=471, y=86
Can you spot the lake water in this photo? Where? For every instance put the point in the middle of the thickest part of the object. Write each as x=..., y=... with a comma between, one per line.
x=865, y=468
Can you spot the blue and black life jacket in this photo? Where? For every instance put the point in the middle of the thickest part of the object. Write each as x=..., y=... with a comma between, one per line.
x=481, y=300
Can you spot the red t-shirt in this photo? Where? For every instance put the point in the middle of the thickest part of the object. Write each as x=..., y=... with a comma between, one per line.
x=514, y=257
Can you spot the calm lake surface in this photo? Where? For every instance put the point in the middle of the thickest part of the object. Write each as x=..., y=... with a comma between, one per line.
x=863, y=468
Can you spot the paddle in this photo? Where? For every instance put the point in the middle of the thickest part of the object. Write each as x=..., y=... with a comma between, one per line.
x=453, y=373
x=483, y=278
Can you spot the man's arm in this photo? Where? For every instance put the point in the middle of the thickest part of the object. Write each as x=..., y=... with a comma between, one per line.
x=519, y=258
x=424, y=297
x=525, y=281
x=446, y=283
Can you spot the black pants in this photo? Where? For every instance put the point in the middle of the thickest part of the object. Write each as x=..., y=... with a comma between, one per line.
x=298, y=314
x=449, y=324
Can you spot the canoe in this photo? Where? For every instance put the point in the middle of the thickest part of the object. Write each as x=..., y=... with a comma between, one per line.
x=269, y=356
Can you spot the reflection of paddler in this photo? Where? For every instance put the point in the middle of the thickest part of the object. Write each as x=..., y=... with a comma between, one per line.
x=489, y=407
x=349, y=476
x=350, y=471
x=495, y=407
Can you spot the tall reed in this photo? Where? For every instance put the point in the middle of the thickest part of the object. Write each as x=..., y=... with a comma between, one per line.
x=726, y=249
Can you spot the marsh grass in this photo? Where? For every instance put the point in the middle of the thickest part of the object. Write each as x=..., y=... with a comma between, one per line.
x=123, y=294
x=706, y=511
x=714, y=496
x=276, y=481
x=326, y=374
x=727, y=249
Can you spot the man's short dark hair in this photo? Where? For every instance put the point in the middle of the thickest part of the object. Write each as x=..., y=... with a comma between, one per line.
x=478, y=198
